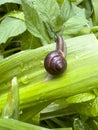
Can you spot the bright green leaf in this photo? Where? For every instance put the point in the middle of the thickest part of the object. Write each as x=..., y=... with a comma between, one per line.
x=95, y=9
x=47, y=13
x=66, y=10
x=11, y=108
x=73, y=26
x=28, y=66
x=12, y=26
x=34, y=23
x=79, y=125
x=80, y=98
x=10, y=1
x=28, y=41
x=16, y=14
x=8, y=124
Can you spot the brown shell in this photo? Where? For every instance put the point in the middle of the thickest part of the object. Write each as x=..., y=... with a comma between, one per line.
x=55, y=63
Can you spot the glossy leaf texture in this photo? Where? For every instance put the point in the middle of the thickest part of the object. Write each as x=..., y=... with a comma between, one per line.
x=12, y=26
x=65, y=102
x=10, y=1
x=15, y=125
x=34, y=23
x=31, y=74
x=95, y=9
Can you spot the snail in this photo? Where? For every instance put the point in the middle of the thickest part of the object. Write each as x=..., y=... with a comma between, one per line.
x=55, y=62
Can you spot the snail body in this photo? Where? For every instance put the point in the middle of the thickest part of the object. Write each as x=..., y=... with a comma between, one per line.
x=55, y=62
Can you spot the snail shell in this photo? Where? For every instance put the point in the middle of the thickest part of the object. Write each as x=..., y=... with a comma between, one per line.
x=55, y=62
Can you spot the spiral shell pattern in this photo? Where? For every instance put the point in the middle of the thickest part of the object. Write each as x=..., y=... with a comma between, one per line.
x=55, y=63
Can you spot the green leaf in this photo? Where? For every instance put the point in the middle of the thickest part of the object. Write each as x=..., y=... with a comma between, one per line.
x=77, y=2
x=60, y=1
x=11, y=108
x=1, y=57
x=47, y=13
x=66, y=20
x=12, y=26
x=88, y=8
x=95, y=9
x=79, y=125
x=65, y=10
x=10, y=1
x=16, y=14
x=63, y=15
x=80, y=98
x=94, y=107
x=34, y=23
x=8, y=124
x=89, y=108
x=93, y=123
x=56, y=101
x=29, y=69
x=17, y=125
x=28, y=41
x=64, y=103
x=73, y=26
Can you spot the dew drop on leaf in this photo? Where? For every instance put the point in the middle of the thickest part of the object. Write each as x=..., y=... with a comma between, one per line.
x=25, y=79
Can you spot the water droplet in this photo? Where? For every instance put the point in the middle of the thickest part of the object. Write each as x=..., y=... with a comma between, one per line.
x=30, y=66
x=41, y=63
x=25, y=79
x=22, y=67
x=77, y=57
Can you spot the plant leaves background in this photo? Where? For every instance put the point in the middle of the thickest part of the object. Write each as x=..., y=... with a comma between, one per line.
x=9, y=24
x=32, y=24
